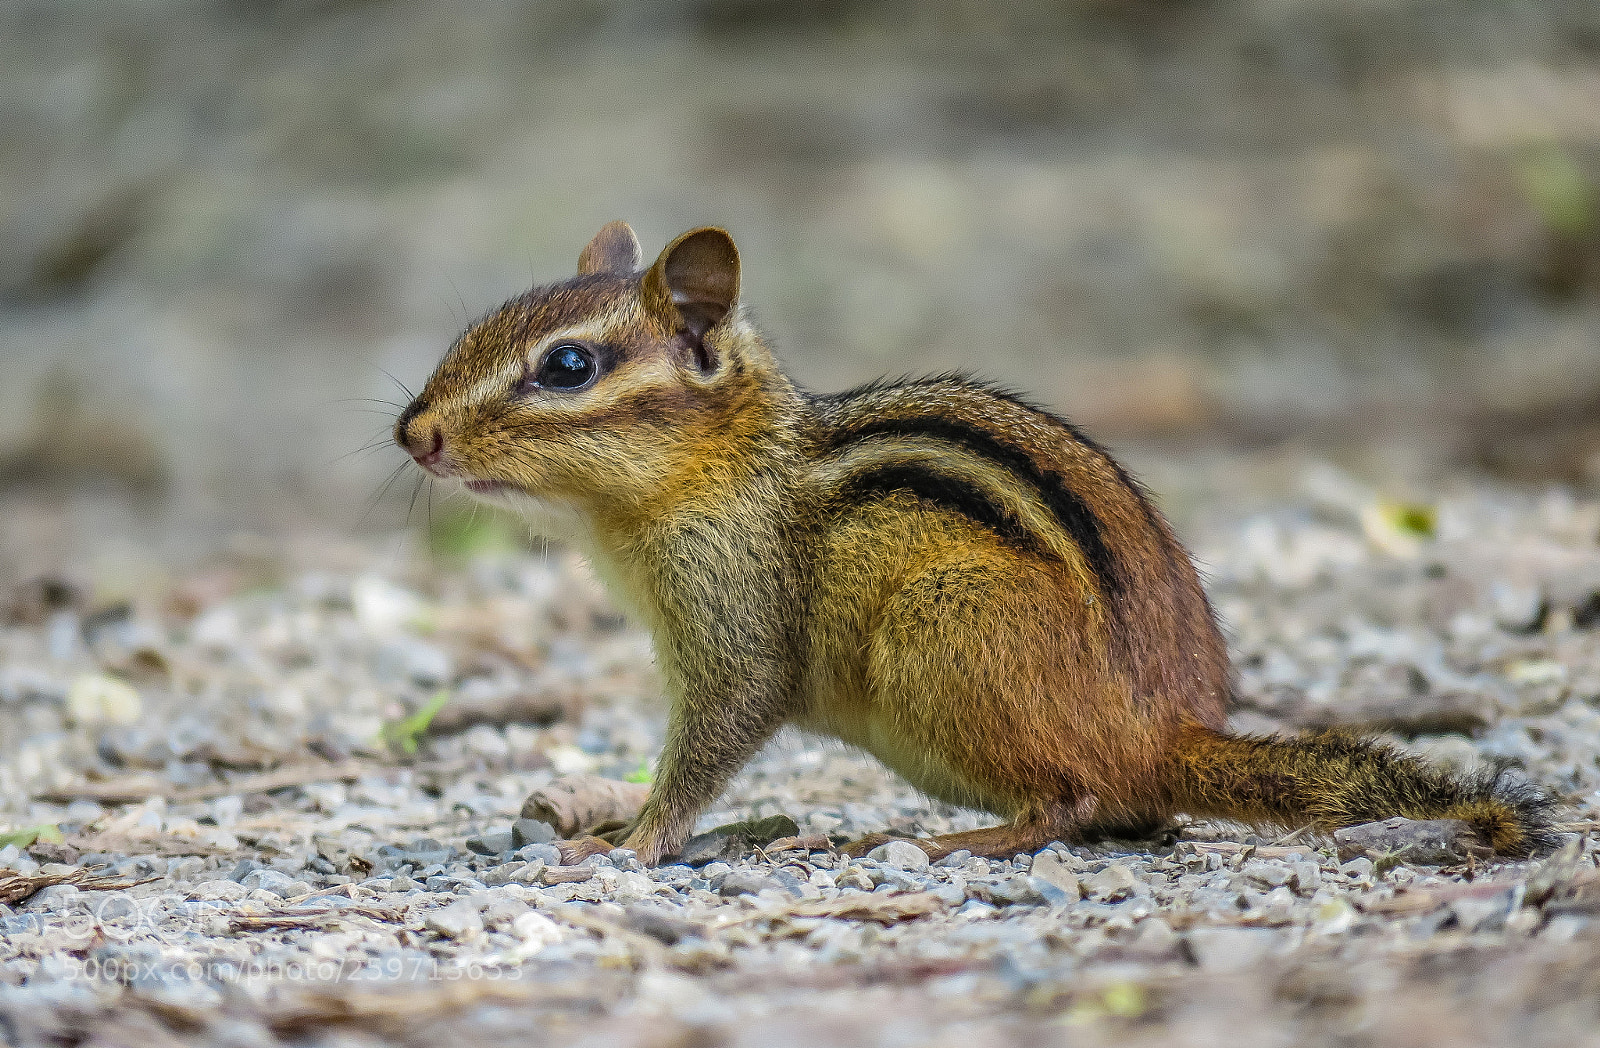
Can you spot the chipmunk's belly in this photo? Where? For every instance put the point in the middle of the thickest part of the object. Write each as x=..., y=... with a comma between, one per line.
x=917, y=661
x=854, y=721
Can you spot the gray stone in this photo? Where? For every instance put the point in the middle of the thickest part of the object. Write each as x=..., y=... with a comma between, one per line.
x=53, y=852
x=789, y=882
x=1565, y=927
x=529, y=831
x=856, y=877
x=415, y=660
x=1307, y=877
x=631, y=887
x=1051, y=894
x=502, y=910
x=901, y=855
x=460, y=920
x=1154, y=938
x=143, y=866
x=425, y=851
x=708, y=847
x=1048, y=867
x=744, y=882
x=1430, y=842
x=659, y=924
x=1360, y=866
x=59, y=898
x=548, y=854
x=1230, y=949
x=420, y=853
x=492, y=843
x=505, y=873
x=1019, y=891
x=905, y=880
x=280, y=884
x=1267, y=874
x=1483, y=912
x=1116, y=881
x=221, y=891
x=735, y=840
x=1517, y=609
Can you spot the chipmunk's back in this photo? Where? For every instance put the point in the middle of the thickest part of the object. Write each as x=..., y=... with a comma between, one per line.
x=1040, y=486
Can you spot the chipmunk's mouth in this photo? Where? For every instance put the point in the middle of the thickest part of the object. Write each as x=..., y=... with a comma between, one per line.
x=488, y=487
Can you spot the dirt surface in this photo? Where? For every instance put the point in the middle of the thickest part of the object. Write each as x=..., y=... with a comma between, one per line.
x=1217, y=233
x=275, y=855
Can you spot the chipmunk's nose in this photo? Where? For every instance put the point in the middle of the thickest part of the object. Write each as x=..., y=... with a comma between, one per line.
x=429, y=460
x=424, y=444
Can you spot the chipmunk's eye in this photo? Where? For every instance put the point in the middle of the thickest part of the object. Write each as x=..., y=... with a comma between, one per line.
x=566, y=367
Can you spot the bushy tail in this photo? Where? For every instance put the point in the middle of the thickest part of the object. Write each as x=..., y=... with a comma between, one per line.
x=1332, y=779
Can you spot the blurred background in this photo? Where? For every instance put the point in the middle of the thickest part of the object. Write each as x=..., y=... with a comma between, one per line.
x=1232, y=233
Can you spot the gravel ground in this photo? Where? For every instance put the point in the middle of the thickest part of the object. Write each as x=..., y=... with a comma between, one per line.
x=249, y=845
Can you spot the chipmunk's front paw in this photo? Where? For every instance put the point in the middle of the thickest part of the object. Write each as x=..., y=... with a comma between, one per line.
x=581, y=848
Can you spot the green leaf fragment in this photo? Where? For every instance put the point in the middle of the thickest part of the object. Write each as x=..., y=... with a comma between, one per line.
x=31, y=835
x=1416, y=519
x=405, y=733
x=1558, y=190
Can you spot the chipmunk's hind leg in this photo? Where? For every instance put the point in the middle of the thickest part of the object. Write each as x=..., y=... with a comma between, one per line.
x=1027, y=833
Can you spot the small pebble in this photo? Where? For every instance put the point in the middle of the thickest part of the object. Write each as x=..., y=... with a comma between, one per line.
x=525, y=832
x=495, y=843
x=459, y=920
x=902, y=855
x=1114, y=882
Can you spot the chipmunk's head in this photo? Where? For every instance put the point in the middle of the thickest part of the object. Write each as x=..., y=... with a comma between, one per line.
x=603, y=393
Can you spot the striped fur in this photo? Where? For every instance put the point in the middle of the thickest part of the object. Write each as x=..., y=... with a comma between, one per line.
x=1070, y=510
x=933, y=570
x=939, y=490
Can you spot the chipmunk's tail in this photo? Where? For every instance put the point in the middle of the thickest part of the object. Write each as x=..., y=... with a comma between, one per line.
x=1331, y=779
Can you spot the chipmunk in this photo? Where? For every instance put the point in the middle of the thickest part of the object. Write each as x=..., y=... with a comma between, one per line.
x=959, y=583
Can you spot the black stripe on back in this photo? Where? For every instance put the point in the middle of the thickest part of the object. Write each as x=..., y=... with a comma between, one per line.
x=1069, y=508
x=941, y=491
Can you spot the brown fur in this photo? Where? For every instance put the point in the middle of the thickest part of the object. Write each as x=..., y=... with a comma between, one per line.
x=954, y=581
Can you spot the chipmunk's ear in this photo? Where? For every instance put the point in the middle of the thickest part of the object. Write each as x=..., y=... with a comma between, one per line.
x=613, y=250
x=694, y=286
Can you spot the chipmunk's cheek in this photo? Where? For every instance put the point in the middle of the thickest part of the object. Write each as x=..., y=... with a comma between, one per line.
x=489, y=487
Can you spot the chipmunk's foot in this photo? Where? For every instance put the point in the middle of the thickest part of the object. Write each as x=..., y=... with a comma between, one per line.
x=599, y=841
x=581, y=848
